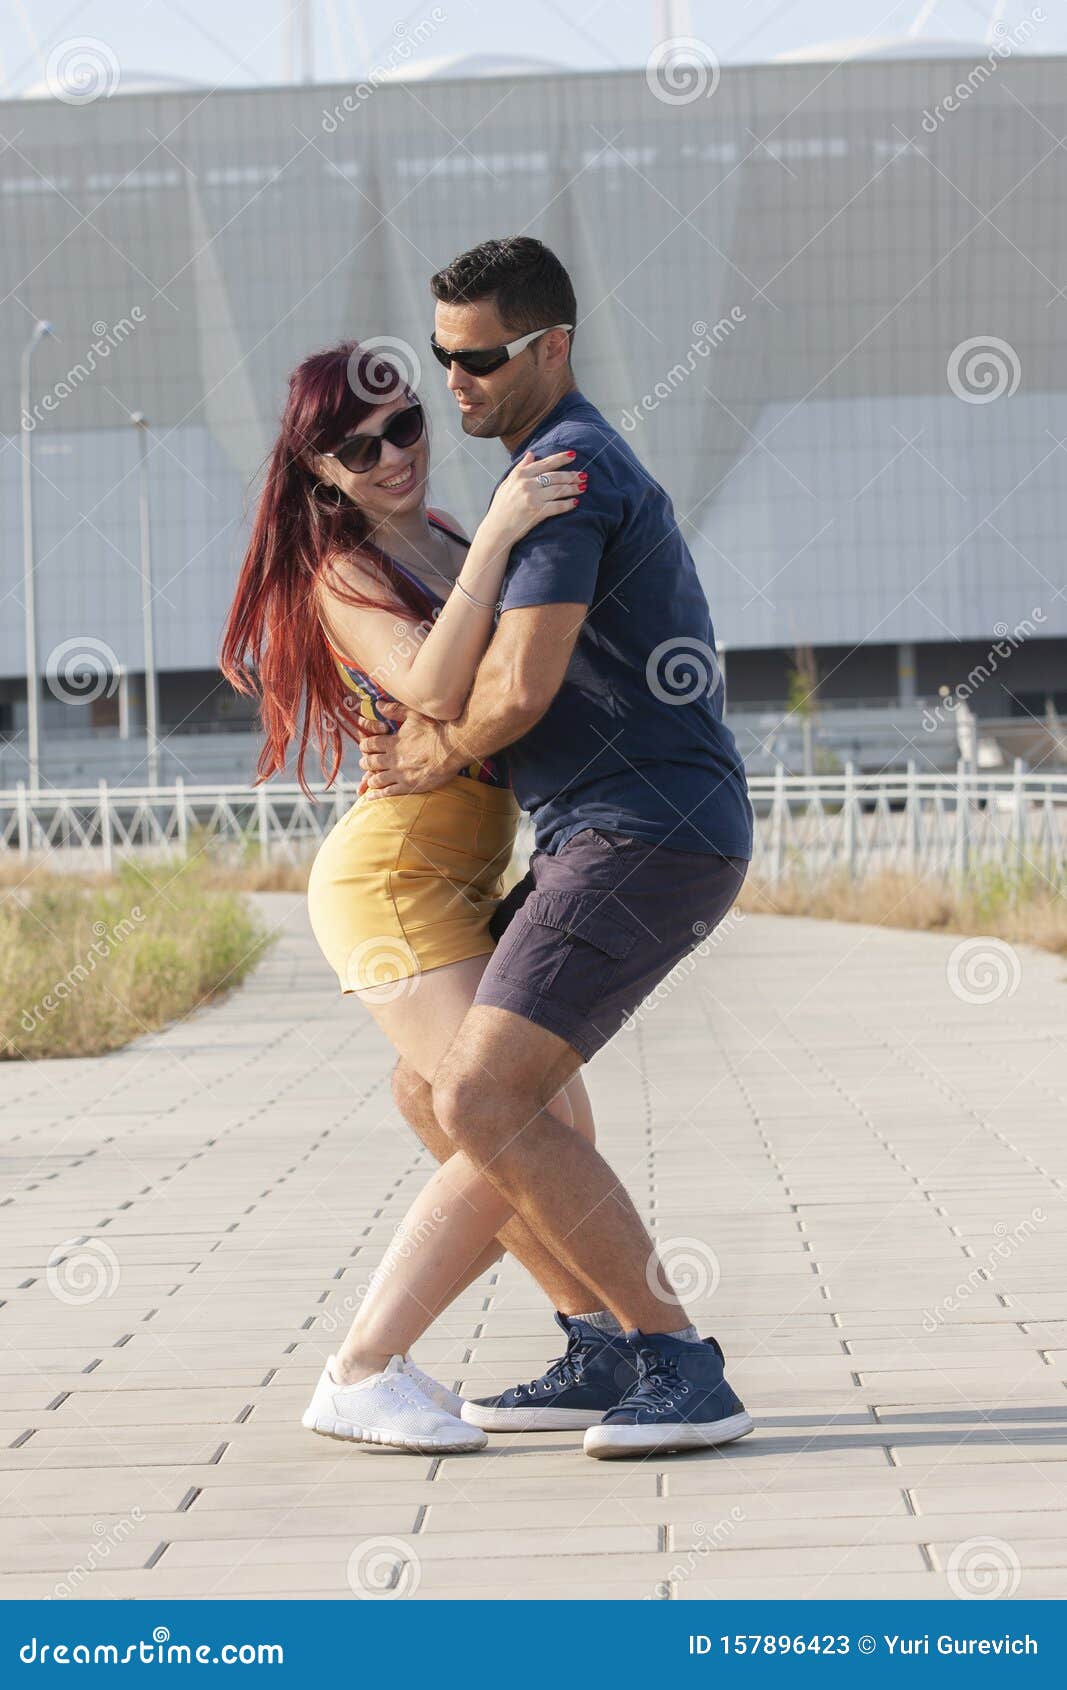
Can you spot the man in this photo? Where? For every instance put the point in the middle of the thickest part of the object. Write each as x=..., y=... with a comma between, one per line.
x=601, y=680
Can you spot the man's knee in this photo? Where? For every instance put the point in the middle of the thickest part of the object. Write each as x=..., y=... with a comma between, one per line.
x=479, y=1116
x=460, y=1098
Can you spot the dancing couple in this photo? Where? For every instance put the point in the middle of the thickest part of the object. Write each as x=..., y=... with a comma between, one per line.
x=520, y=670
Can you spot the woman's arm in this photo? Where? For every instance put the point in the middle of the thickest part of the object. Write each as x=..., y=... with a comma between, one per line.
x=430, y=666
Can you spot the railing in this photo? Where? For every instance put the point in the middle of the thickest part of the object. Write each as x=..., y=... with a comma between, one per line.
x=935, y=825
x=932, y=824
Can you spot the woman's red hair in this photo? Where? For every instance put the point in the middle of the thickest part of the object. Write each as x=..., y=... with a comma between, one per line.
x=274, y=648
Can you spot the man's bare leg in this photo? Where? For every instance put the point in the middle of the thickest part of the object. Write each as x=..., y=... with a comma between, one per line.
x=489, y=1095
x=414, y=1098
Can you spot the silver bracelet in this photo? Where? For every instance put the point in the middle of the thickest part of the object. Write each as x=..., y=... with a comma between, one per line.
x=483, y=604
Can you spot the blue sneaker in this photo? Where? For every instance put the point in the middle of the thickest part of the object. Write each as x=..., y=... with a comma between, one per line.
x=574, y=1392
x=681, y=1400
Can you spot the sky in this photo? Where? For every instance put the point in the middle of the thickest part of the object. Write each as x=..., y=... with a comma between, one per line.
x=244, y=43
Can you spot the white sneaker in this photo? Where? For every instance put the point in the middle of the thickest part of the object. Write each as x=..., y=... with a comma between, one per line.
x=439, y=1394
x=387, y=1411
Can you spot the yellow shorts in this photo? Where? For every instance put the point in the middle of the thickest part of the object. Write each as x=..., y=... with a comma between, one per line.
x=401, y=885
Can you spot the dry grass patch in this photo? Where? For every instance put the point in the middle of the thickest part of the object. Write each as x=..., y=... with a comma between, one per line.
x=1022, y=908
x=87, y=964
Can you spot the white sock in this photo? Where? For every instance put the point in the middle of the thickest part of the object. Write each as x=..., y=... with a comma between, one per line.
x=687, y=1335
x=601, y=1320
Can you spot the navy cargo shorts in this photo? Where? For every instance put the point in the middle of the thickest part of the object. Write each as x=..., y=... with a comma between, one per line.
x=589, y=932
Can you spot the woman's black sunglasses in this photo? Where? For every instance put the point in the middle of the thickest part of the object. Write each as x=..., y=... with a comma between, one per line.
x=362, y=452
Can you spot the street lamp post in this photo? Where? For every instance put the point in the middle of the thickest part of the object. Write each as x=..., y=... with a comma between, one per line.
x=29, y=566
x=151, y=696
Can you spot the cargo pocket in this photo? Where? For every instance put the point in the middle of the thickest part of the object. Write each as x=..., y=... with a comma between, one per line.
x=568, y=945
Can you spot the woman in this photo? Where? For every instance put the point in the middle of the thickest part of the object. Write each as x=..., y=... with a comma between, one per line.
x=353, y=593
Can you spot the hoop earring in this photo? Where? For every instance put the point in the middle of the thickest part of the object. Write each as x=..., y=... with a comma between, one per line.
x=336, y=502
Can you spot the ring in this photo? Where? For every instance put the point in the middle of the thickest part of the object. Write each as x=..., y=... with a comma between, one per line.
x=544, y=481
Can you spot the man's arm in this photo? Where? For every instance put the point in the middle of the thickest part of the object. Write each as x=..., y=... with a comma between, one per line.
x=552, y=581
x=517, y=679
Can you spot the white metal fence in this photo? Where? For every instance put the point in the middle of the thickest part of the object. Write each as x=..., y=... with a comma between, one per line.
x=934, y=824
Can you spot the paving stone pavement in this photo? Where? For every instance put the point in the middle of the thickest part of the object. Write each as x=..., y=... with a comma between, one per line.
x=854, y=1167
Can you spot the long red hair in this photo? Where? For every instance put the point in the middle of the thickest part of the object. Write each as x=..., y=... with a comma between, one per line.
x=273, y=647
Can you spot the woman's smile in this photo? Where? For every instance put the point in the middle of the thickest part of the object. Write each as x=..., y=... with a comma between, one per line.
x=400, y=482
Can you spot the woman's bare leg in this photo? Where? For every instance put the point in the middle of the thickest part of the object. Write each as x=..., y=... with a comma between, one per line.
x=447, y=1236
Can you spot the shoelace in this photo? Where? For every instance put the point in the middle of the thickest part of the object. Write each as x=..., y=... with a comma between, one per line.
x=565, y=1371
x=658, y=1383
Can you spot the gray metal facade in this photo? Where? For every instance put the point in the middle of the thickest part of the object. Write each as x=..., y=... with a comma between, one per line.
x=834, y=486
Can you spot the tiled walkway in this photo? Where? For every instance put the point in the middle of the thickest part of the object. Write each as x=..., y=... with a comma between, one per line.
x=857, y=1170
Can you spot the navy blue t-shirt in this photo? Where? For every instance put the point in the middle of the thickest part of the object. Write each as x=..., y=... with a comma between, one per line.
x=634, y=740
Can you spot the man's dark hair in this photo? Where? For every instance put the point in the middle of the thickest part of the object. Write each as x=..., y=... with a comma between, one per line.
x=527, y=283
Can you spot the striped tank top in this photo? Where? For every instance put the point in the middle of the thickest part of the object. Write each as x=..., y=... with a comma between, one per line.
x=491, y=770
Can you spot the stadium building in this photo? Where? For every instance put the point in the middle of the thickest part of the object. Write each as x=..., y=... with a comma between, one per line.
x=824, y=301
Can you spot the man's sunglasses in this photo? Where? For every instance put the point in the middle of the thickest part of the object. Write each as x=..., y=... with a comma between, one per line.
x=481, y=361
x=362, y=452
